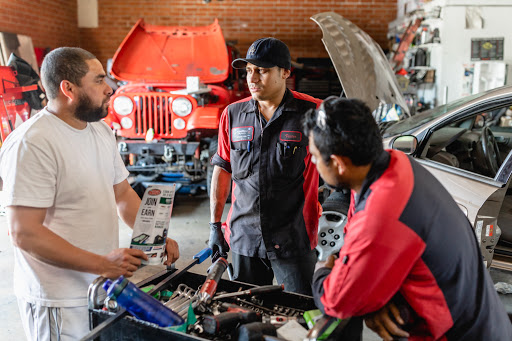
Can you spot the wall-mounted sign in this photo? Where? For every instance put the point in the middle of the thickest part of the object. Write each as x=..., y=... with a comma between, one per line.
x=487, y=48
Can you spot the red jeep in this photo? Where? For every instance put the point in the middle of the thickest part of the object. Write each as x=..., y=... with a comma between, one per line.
x=177, y=81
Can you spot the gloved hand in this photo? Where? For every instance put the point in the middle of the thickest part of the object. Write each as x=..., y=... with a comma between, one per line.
x=217, y=242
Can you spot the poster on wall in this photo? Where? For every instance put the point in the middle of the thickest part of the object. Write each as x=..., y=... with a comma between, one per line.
x=487, y=48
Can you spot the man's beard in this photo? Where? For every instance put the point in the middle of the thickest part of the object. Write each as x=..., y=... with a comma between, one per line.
x=87, y=112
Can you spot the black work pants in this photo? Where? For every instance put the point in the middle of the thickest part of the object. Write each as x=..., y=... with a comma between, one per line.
x=295, y=273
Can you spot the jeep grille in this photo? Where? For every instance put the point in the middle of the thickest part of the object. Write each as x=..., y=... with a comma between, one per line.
x=152, y=112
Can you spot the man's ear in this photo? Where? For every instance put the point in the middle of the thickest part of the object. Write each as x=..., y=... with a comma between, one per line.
x=68, y=89
x=340, y=162
x=286, y=73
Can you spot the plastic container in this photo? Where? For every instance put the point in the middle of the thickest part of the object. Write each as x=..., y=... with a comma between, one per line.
x=140, y=304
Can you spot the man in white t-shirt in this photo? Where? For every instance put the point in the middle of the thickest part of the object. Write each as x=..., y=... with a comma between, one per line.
x=65, y=185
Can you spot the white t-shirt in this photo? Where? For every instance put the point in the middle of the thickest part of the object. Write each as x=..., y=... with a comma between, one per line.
x=47, y=163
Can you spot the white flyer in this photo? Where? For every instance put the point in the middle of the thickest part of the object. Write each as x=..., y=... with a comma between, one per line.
x=152, y=222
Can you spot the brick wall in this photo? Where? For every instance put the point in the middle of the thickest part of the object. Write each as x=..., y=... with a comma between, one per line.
x=53, y=23
x=241, y=20
x=50, y=23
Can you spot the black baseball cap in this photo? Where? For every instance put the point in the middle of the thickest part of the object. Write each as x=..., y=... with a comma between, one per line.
x=267, y=53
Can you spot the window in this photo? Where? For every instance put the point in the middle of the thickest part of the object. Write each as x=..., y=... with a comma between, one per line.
x=477, y=143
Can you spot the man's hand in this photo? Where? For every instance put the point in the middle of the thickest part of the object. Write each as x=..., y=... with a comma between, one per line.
x=217, y=242
x=173, y=251
x=329, y=263
x=122, y=262
x=381, y=322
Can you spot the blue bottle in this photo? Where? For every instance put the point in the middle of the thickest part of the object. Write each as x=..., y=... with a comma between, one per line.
x=140, y=304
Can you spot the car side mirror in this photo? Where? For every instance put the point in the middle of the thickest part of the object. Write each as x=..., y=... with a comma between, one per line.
x=405, y=143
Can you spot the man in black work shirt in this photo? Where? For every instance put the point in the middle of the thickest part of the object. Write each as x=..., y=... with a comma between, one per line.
x=273, y=221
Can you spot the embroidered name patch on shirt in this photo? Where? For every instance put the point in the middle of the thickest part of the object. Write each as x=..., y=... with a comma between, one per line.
x=239, y=134
x=291, y=136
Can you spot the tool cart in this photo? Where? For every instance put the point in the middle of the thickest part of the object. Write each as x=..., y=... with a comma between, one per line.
x=274, y=307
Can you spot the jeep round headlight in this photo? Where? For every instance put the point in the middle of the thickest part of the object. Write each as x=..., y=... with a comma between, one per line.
x=126, y=123
x=123, y=105
x=179, y=123
x=181, y=106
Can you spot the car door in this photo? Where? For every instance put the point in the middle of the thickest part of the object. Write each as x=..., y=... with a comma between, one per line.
x=479, y=196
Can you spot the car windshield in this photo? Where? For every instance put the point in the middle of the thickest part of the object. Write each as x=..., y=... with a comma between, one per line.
x=420, y=119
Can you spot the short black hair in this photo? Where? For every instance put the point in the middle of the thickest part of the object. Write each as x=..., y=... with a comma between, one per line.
x=64, y=63
x=344, y=127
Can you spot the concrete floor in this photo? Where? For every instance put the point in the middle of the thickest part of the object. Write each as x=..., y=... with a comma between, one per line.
x=189, y=227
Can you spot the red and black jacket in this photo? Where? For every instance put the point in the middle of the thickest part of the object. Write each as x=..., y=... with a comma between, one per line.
x=274, y=210
x=406, y=236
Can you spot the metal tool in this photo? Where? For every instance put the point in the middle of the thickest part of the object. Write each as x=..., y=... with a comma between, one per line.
x=95, y=293
x=258, y=308
x=209, y=287
x=197, y=259
x=229, y=269
x=183, y=296
x=184, y=311
x=279, y=321
x=265, y=289
x=288, y=311
x=181, y=290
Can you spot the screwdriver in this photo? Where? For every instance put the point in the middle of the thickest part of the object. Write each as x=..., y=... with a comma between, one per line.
x=265, y=289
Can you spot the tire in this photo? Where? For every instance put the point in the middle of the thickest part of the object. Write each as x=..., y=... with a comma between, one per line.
x=337, y=202
x=212, y=149
x=331, y=224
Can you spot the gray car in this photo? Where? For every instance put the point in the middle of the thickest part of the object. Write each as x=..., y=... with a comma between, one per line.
x=466, y=144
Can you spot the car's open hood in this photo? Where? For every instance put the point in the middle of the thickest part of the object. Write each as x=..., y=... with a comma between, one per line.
x=171, y=53
x=362, y=68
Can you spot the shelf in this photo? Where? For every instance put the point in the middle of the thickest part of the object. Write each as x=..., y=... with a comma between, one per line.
x=428, y=21
x=421, y=68
x=428, y=45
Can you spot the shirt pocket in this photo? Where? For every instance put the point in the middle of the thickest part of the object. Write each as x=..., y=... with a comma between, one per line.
x=290, y=159
x=241, y=161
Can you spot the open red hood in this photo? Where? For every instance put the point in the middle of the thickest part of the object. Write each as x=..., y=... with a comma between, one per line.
x=171, y=53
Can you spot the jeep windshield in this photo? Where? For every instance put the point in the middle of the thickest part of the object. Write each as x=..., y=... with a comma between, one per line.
x=416, y=121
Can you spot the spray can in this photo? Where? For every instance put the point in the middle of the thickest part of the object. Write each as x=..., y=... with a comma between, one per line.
x=140, y=304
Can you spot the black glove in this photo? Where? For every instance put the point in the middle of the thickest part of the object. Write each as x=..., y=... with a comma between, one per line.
x=217, y=242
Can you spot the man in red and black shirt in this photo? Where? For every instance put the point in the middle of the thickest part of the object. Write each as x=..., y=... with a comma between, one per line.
x=406, y=241
x=273, y=221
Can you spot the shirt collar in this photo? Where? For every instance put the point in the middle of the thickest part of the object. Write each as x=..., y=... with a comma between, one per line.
x=287, y=104
x=378, y=167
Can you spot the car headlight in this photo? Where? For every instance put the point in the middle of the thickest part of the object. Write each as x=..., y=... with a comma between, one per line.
x=181, y=106
x=179, y=123
x=123, y=105
x=126, y=123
